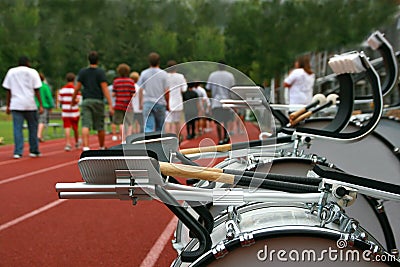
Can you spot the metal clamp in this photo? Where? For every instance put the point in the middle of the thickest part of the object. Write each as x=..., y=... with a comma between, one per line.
x=132, y=176
x=232, y=225
x=219, y=251
x=228, y=197
x=247, y=239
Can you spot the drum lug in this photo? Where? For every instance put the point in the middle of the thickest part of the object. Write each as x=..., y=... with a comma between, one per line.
x=348, y=225
x=363, y=236
x=348, y=238
x=219, y=251
x=247, y=239
x=395, y=252
x=330, y=213
x=379, y=206
x=296, y=144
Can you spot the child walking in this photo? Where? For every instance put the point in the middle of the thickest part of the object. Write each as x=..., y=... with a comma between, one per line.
x=70, y=113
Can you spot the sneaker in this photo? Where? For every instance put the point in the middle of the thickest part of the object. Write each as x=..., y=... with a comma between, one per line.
x=17, y=156
x=114, y=138
x=35, y=154
x=78, y=145
x=85, y=148
x=102, y=148
x=67, y=148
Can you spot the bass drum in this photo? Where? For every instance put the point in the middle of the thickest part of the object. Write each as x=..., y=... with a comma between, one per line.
x=376, y=156
x=281, y=236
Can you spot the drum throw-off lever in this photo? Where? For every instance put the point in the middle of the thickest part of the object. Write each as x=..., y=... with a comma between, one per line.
x=344, y=196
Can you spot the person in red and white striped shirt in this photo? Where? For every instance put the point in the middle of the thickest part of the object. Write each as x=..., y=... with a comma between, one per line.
x=123, y=91
x=70, y=113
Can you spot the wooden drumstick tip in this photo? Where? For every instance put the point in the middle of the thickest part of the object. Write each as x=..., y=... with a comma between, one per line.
x=297, y=113
x=219, y=148
x=300, y=118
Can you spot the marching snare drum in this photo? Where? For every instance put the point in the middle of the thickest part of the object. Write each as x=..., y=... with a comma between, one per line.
x=268, y=235
x=360, y=210
x=343, y=155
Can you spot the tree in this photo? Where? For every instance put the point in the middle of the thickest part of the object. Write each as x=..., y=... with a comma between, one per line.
x=18, y=22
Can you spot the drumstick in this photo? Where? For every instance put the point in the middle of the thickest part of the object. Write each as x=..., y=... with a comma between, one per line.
x=236, y=146
x=318, y=99
x=186, y=171
x=331, y=100
x=262, y=175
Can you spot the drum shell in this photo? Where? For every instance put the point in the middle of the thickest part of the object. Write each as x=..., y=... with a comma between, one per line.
x=289, y=221
x=339, y=154
x=373, y=156
x=360, y=210
x=376, y=156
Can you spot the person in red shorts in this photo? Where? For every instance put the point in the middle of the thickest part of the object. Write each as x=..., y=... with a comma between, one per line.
x=70, y=113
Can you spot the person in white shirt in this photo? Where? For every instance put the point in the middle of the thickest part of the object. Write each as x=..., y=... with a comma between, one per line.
x=300, y=82
x=112, y=124
x=70, y=113
x=177, y=85
x=22, y=84
x=220, y=83
x=204, y=107
x=154, y=94
x=137, y=125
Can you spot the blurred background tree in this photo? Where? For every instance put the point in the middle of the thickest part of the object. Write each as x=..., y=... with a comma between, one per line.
x=258, y=37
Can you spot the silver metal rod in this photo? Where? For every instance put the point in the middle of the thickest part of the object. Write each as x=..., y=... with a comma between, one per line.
x=79, y=187
x=367, y=191
x=88, y=191
x=88, y=195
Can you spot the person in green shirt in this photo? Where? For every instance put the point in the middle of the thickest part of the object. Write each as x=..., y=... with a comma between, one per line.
x=48, y=104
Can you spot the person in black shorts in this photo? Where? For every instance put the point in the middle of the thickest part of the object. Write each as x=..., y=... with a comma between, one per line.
x=93, y=83
x=190, y=108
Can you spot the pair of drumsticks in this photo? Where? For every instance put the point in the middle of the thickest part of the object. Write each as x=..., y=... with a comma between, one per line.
x=318, y=100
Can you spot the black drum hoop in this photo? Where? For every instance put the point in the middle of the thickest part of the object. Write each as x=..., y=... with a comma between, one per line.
x=278, y=232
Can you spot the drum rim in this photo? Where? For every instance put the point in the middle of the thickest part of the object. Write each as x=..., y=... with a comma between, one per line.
x=275, y=231
x=382, y=138
x=281, y=231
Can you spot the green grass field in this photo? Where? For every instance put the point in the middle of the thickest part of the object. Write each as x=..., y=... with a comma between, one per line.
x=6, y=130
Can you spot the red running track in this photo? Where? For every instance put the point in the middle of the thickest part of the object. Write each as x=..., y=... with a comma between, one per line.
x=38, y=229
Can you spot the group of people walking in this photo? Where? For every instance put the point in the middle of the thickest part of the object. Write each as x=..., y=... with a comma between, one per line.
x=153, y=100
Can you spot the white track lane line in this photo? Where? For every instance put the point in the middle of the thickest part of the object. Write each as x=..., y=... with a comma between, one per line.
x=22, y=176
x=155, y=252
x=45, y=154
x=31, y=214
x=28, y=158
